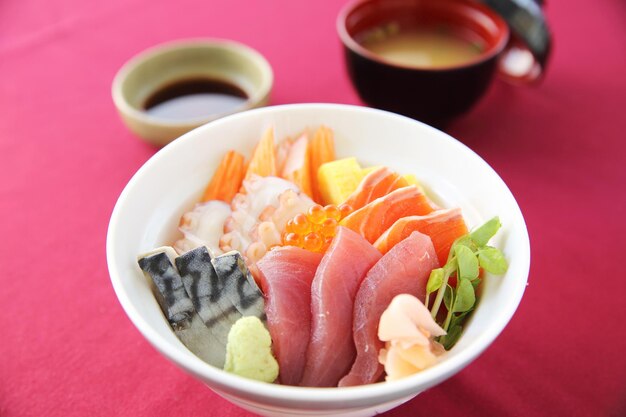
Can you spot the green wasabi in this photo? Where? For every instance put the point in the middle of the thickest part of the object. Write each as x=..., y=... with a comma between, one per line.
x=249, y=351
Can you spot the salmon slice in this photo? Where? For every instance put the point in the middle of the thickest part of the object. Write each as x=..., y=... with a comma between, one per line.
x=371, y=220
x=321, y=150
x=331, y=349
x=286, y=274
x=263, y=161
x=296, y=166
x=227, y=178
x=403, y=270
x=442, y=226
x=377, y=183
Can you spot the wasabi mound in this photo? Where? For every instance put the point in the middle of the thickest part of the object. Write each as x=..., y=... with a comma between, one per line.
x=249, y=351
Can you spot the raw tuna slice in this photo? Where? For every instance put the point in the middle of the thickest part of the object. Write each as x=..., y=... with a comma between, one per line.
x=331, y=348
x=286, y=274
x=402, y=270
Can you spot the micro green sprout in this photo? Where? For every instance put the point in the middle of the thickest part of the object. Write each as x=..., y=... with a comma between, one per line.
x=467, y=255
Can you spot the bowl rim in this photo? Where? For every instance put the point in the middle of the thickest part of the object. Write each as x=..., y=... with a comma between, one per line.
x=349, y=42
x=297, y=396
x=256, y=58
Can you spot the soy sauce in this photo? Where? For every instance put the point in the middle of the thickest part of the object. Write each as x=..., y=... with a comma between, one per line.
x=192, y=98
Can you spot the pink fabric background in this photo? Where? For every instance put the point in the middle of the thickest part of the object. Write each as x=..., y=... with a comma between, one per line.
x=66, y=346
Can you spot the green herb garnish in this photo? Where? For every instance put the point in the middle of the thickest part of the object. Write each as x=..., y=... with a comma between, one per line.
x=467, y=255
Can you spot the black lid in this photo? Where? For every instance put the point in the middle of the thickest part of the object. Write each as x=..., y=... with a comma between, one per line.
x=526, y=57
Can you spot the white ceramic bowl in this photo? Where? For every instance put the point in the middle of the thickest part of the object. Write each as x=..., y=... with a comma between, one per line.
x=148, y=210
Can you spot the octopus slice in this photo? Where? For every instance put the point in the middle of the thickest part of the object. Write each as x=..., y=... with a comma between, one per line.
x=260, y=196
x=203, y=226
x=269, y=231
x=260, y=216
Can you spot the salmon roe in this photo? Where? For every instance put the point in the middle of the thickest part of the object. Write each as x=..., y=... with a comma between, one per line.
x=315, y=229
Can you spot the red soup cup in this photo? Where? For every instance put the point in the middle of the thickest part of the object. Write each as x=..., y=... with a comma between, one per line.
x=432, y=92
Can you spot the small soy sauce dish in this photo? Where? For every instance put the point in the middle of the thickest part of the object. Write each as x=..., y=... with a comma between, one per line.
x=175, y=87
x=432, y=60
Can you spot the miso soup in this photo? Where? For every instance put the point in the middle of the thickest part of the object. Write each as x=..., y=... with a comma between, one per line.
x=433, y=47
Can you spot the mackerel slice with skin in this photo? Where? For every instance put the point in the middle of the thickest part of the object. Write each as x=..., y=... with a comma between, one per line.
x=176, y=305
x=238, y=285
x=206, y=292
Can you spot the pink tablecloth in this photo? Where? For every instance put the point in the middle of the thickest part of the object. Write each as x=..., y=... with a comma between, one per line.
x=67, y=348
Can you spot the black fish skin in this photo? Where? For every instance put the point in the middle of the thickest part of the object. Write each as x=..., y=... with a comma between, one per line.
x=239, y=285
x=179, y=309
x=205, y=290
x=202, y=297
x=201, y=282
x=172, y=296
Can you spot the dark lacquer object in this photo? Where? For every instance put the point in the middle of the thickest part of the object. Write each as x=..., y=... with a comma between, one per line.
x=530, y=39
x=511, y=36
x=435, y=93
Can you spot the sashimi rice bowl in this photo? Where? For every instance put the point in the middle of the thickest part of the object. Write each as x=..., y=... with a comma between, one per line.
x=318, y=259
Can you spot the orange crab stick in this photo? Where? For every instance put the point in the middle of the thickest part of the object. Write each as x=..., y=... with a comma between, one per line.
x=321, y=150
x=296, y=167
x=227, y=178
x=263, y=162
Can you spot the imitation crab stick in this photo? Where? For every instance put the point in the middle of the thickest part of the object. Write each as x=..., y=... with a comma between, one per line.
x=227, y=178
x=296, y=167
x=263, y=162
x=321, y=150
x=442, y=226
x=373, y=219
